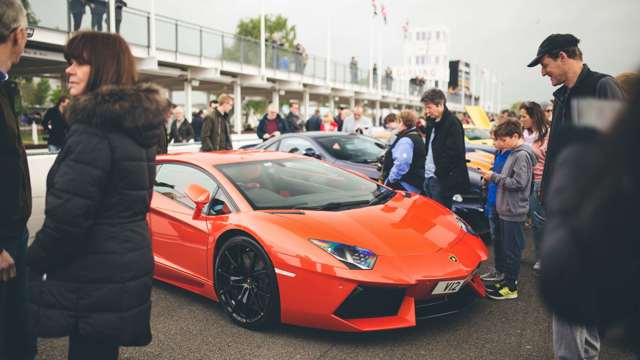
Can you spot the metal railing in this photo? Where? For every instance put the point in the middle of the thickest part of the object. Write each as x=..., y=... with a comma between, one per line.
x=182, y=37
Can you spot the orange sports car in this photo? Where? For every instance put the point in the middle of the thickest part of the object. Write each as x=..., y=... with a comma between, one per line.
x=283, y=237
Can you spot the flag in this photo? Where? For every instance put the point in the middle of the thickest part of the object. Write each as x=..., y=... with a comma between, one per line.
x=375, y=7
x=383, y=10
x=405, y=27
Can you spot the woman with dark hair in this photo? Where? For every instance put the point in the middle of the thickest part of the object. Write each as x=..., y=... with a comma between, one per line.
x=91, y=262
x=536, y=134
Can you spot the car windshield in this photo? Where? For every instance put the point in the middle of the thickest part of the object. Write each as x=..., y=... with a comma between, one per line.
x=477, y=133
x=354, y=148
x=302, y=184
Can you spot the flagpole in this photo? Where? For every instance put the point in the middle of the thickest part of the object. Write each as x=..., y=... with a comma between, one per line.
x=263, y=39
x=371, y=52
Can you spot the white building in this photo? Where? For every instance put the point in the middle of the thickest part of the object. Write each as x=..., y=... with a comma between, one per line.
x=425, y=53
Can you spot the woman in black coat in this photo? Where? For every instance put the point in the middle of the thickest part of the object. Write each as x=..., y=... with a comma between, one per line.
x=91, y=262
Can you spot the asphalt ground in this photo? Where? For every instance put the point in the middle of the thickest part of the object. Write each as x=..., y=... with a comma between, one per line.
x=189, y=327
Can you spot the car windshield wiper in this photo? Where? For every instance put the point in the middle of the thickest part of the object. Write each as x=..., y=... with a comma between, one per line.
x=382, y=196
x=336, y=205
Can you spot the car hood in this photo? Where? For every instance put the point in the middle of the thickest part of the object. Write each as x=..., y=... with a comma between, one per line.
x=401, y=227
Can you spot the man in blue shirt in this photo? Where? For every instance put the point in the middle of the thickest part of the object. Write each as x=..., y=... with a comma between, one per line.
x=404, y=161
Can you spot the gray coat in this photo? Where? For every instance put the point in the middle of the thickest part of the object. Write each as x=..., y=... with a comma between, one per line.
x=514, y=184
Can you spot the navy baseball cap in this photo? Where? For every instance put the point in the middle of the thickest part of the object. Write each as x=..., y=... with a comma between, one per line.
x=553, y=43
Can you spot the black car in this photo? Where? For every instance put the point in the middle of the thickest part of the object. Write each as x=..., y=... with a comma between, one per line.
x=364, y=155
x=351, y=151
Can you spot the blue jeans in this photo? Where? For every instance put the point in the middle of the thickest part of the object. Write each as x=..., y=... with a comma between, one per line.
x=537, y=214
x=575, y=341
x=433, y=189
x=15, y=341
x=512, y=235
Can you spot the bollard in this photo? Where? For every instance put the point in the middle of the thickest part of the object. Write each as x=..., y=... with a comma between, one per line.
x=34, y=133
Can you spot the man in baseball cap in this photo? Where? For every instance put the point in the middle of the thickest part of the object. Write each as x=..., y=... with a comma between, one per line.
x=560, y=59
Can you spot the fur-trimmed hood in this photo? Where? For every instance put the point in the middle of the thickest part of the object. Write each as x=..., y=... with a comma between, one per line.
x=137, y=111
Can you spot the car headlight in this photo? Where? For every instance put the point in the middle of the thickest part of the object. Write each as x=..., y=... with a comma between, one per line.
x=356, y=258
x=465, y=226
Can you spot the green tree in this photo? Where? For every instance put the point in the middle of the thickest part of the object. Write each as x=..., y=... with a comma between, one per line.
x=55, y=95
x=30, y=16
x=515, y=107
x=41, y=94
x=34, y=93
x=274, y=25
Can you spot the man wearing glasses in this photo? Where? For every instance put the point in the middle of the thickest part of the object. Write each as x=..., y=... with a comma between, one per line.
x=15, y=206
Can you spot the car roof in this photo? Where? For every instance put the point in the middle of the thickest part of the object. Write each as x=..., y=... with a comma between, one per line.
x=206, y=159
x=319, y=134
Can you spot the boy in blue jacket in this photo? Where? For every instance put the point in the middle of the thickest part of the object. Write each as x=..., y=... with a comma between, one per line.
x=500, y=158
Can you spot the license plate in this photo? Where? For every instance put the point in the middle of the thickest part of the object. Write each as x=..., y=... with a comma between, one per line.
x=448, y=287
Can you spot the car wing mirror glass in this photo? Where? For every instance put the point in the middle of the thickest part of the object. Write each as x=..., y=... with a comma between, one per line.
x=310, y=152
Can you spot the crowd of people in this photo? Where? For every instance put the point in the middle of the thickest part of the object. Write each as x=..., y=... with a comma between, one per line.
x=98, y=8
x=547, y=165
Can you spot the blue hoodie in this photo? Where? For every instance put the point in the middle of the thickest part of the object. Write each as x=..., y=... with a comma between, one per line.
x=498, y=163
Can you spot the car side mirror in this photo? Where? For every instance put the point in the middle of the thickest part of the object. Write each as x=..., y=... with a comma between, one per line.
x=310, y=152
x=200, y=197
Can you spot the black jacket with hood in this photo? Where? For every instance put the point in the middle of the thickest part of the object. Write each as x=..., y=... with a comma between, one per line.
x=94, y=246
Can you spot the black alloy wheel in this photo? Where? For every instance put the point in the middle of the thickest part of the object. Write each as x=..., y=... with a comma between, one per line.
x=245, y=283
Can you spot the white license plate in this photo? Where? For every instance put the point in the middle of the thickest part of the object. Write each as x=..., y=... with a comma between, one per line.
x=448, y=287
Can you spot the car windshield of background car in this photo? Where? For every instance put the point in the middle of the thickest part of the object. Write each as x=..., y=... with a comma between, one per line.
x=477, y=134
x=358, y=149
x=300, y=184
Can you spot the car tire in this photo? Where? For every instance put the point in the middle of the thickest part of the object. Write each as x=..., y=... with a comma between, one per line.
x=246, y=285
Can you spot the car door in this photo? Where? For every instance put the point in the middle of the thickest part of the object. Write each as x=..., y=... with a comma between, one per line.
x=179, y=242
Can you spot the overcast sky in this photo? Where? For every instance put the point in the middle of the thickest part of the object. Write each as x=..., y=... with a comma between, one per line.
x=501, y=35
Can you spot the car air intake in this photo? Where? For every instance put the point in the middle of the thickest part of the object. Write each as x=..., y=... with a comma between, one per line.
x=368, y=302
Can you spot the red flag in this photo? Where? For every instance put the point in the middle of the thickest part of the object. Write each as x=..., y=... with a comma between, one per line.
x=383, y=10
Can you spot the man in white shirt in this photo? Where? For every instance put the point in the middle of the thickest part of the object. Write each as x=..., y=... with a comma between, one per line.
x=357, y=123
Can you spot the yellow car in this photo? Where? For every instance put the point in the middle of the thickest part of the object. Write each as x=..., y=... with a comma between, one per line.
x=477, y=135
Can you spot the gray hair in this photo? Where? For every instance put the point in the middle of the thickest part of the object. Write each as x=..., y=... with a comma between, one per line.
x=13, y=15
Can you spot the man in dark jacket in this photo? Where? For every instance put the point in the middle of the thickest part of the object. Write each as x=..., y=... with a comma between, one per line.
x=15, y=192
x=271, y=124
x=314, y=122
x=181, y=130
x=196, y=124
x=446, y=166
x=215, y=130
x=55, y=125
x=590, y=251
x=561, y=60
x=293, y=118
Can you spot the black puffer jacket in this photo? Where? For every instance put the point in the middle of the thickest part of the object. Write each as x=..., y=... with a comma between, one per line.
x=94, y=245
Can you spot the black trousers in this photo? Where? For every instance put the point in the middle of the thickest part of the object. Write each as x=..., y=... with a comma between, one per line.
x=15, y=341
x=82, y=348
x=77, y=20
